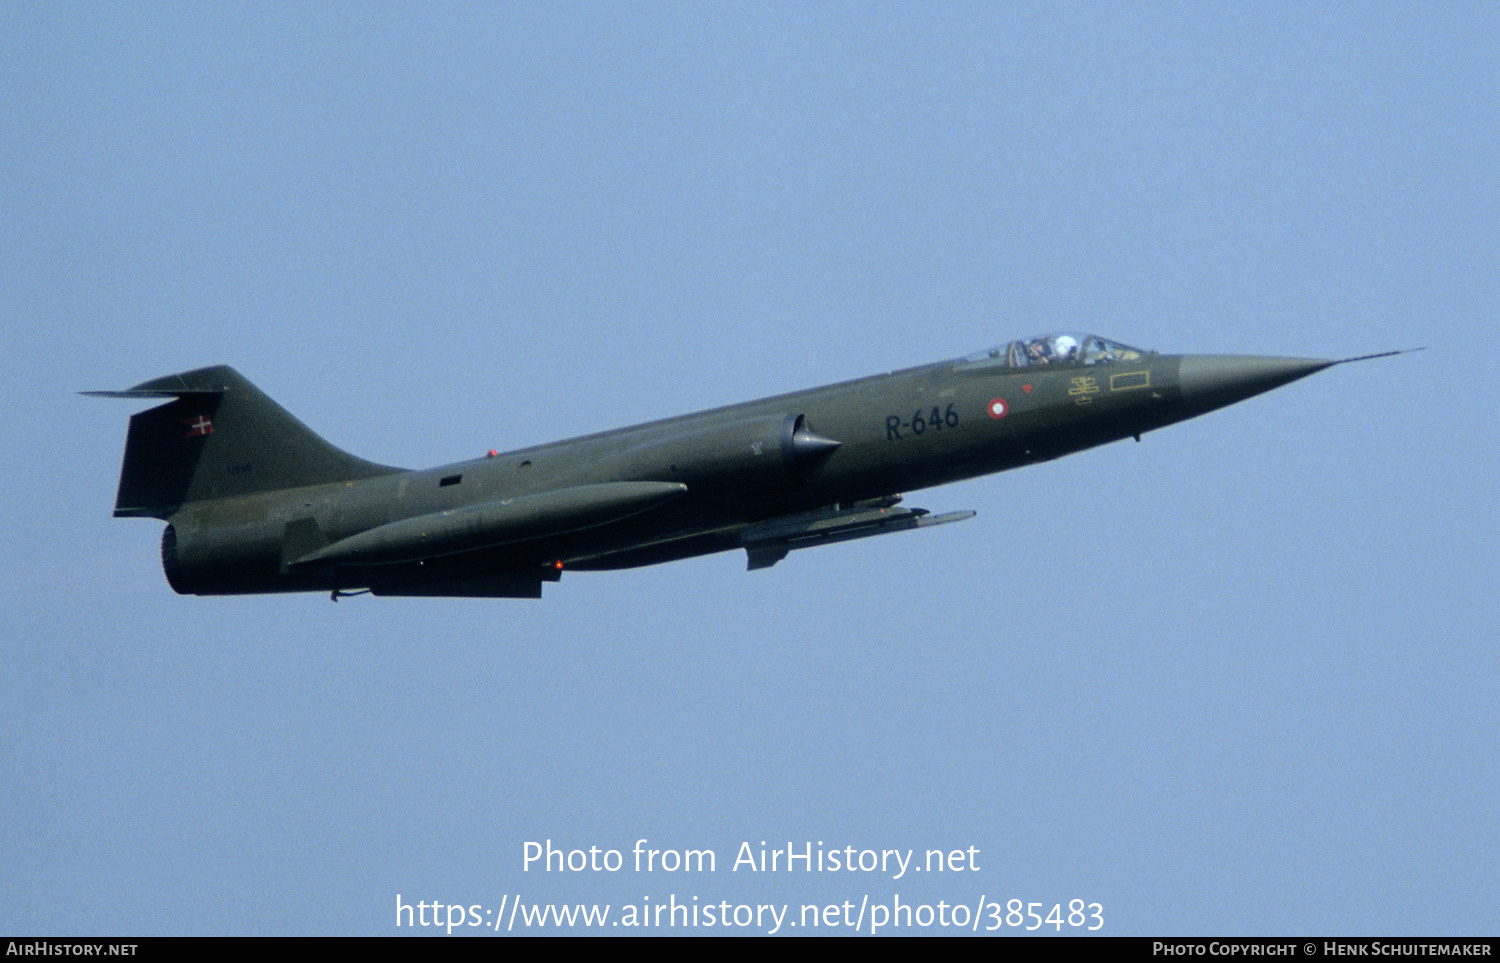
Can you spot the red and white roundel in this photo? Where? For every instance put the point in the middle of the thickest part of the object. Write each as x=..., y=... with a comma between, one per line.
x=998, y=408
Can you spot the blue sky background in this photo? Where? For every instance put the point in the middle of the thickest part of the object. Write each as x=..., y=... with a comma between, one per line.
x=1240, y=678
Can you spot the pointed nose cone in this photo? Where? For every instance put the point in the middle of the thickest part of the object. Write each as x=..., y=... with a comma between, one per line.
x=1210, y=381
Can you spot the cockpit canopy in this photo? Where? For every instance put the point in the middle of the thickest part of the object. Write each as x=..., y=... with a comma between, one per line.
x=1065, y=348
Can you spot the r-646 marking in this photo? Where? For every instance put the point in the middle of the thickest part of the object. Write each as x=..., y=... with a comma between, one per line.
x=935, y=420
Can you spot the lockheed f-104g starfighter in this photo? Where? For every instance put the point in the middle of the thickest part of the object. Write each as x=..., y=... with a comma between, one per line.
x=255, y=501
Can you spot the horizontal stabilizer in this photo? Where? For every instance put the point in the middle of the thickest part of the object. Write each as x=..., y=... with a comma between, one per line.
x=769, y=542
x=153, y=393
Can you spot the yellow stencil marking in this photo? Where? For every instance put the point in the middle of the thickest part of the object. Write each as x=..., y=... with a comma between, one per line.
x=1130, y=380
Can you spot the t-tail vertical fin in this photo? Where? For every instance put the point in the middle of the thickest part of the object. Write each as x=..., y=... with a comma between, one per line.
x=220, y=437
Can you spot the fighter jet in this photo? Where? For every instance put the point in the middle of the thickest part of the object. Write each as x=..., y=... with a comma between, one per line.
x=255, y=502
